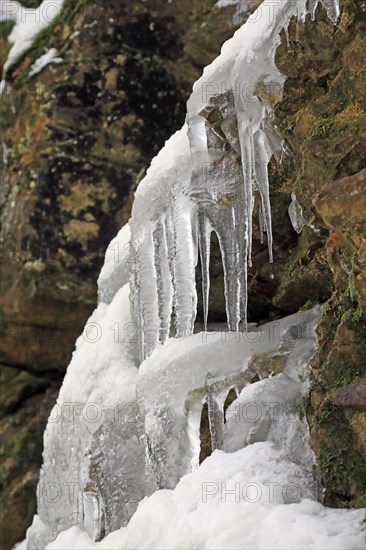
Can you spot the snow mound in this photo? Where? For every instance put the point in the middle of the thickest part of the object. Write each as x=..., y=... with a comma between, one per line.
x=247, y=499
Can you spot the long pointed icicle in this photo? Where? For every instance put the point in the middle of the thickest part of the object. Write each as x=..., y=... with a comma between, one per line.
x=230, y=252
x=216, y=421
x=204, y=240
x=164, y=285
x=263, y=156
x=185, y=296
x=149, y=317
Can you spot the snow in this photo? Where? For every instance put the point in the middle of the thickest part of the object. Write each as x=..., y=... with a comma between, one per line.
x=84, y=381
x=246, y=499
x=49, y=57
x=28, y=23
x=174, y=383
x=115, y=272
x=141, y=427
x=94, y=428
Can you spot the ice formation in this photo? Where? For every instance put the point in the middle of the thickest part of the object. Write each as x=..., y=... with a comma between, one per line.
x=118, y=433
x=115, y=272
x=296, y=214
x=207, y=178
x=259, y=493
x=242, y=9
x=126, y=426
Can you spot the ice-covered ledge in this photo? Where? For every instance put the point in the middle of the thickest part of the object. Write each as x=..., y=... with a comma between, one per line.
x=181, y=376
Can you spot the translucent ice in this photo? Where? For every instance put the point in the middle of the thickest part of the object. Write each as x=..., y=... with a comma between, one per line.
x=174, y=383
x=296, y=214
x=92, y=448
x=115, y=272
x=250, y=498
x=332, y=7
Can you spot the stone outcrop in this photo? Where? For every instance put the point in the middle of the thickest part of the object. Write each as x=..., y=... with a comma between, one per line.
x=323, y=119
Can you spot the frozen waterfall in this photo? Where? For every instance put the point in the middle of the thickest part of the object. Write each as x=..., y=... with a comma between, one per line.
x=207, y=178
x=122, y=444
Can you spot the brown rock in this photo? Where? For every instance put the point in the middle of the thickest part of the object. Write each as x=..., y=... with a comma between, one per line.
x=352, y=396
x=342, y=203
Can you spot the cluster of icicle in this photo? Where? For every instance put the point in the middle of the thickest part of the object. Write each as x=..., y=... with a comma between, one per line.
x=206, y=179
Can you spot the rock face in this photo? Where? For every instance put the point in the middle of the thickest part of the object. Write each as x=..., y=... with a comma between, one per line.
x=323, y=118
x=77, y=139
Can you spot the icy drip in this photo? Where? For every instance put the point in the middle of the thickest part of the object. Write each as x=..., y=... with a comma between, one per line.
x=332, y=7
x=164, y=248
x=242, y=9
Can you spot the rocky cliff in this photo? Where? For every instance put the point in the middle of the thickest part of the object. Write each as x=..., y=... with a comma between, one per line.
x=78, y=137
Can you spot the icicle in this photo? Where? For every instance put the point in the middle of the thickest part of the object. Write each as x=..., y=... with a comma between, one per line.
x=163, y=271
x=91, y=501
x=216, y=421
x=185, y=296
x=204, y=237
x=247, y=158
x=287, y=35
x=333, y=11
x=263, y=156
x=148, y=297
x=262, y=226
x=331, y=6
x=313, y=4
x=164, y=286
x=232, y=258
